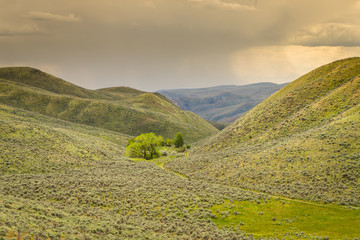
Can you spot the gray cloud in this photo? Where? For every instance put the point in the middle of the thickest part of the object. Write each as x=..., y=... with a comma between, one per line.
x=218, y=4
x=153, y=44
x=39, y=15
x=25, y=30
x=328, y=34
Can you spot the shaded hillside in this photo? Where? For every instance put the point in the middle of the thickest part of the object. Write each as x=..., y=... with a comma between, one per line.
x=301, y=142
x=123, y=109
x=222, y=103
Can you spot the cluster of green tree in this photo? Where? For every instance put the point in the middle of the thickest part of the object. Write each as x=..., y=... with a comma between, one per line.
x=146, y=145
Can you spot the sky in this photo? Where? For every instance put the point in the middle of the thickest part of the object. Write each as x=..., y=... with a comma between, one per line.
x=168, y=44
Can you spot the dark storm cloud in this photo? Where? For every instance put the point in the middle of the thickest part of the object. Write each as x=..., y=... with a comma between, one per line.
x=153, y=44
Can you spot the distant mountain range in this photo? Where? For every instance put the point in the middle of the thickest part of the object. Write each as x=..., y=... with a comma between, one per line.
x=222, y=103
x=119, y=109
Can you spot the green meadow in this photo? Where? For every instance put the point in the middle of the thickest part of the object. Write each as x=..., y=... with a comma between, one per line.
x=282, y=218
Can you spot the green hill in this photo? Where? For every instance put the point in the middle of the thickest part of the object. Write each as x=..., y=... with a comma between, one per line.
x=124, y=110
x=65, y=180
x=61, y=180
x=302, y=142
x=34, y=143
x=33, y=77
x=222, y=103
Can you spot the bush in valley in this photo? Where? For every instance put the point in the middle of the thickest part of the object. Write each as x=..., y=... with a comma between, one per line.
x=144, y=146
x=179, y=140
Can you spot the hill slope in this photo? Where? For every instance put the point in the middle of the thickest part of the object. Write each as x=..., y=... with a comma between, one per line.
x=33, y=143
x=61, y=180
x=123, y=109
x=301, y=142
x=222, y=103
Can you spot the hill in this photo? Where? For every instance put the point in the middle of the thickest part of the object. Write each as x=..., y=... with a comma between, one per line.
x=302, y=142
x=61, y=180
x=65, y=180
x=32, y=143
x=222, y=103
x=122, y=109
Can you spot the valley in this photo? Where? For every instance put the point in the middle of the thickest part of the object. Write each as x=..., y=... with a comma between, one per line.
x=287, y=169
x=222, y=104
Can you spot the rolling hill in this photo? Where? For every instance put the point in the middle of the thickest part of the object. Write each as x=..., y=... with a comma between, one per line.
x=121, y=109
x=222, y=103
x=62, y=180
x=302, y=142
x=65, y=180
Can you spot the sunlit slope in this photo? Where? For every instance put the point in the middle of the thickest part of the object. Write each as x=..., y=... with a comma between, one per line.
x=312, y=100
x=302, y=142
x=123, y=110
x=34, y=143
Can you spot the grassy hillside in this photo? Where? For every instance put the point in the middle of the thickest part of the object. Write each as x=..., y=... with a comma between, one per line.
x=65, y=180
x=302, y=142
x=36, y=78
x=61, y=180
x=124, y=110
x=33, y=143
x=222, y=103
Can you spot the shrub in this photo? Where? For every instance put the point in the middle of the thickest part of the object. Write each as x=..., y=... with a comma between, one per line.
x=179, y=140
x=181, y=149
x=169, y=142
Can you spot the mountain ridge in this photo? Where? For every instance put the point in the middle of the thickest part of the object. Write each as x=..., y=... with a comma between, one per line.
x=223, y=103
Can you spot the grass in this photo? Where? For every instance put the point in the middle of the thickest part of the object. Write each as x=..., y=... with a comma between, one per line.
x=285, y=219
x=32, y=143
x=61, y=180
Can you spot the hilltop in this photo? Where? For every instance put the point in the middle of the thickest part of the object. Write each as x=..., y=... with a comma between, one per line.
x=222, y=103
x=120, y=109
x=301, y=142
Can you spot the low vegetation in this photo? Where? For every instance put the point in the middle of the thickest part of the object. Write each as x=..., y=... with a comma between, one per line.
x=61, y=180
x=32, y=143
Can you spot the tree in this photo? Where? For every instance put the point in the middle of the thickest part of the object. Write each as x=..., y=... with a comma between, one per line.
x=179, y=140
x=144, y=146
